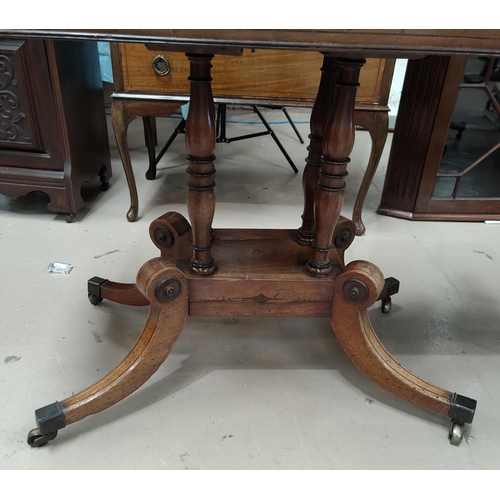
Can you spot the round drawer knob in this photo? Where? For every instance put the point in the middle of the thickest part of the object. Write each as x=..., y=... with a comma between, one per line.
x=161, y=65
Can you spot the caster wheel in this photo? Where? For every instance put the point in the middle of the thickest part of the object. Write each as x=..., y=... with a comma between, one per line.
x=386, y=306
x=456, y=433
x=36, y=440
x=94, y=299
x=70, y=218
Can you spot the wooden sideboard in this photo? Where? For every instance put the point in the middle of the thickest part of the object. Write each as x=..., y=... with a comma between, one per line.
x=149, y=81
x=53, y=134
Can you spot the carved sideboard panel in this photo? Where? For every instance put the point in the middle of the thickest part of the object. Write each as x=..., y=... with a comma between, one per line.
x=53, y=133
x=16, y=114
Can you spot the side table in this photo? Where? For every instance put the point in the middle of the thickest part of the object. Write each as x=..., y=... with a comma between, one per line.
x=149, y=82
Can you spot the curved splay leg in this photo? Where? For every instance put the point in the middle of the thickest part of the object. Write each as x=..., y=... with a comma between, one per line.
x=357, y=288
x=168, y=232
x=167, y=291
x=121, y=293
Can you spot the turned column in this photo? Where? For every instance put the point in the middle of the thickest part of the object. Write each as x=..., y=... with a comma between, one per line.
x=319, y=117
x=200, y=144
x=338, y=141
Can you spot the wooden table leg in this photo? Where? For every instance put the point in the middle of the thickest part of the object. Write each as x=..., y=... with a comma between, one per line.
x=338, y=142
x=377, y=125
x=319, y=118
x=121, y=118
x=200, y=144
x=123, y=112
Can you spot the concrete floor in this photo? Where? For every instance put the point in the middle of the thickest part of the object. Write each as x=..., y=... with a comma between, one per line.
x=243, y=393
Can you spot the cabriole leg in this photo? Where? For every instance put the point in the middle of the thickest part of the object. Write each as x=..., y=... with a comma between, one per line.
x=120, y=119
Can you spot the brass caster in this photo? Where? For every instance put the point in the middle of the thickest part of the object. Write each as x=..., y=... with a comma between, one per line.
x=456, y=432
x=94, y=299
x=386, y=305
x=94, y=290
x=36, y=439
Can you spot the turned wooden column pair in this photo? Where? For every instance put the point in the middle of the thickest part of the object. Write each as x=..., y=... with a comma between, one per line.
x=331, y=143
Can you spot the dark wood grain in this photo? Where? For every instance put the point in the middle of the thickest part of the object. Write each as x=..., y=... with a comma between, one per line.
x=200, y=144
x=338, y=142
x=421, y=92
x=382, y=42
x=319, y=118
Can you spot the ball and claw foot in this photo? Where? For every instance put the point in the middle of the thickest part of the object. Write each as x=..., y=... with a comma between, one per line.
x=36, y=439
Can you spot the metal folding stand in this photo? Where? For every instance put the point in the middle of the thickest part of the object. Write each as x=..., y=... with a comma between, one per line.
x=222, y=137
x=180, y=129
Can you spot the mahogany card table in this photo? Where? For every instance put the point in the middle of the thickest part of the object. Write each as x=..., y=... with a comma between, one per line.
x=202, y=271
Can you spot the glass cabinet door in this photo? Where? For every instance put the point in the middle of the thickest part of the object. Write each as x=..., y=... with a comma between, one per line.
x=470, y=164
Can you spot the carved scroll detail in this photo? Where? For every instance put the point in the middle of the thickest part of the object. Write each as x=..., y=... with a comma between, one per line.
x=12, y=118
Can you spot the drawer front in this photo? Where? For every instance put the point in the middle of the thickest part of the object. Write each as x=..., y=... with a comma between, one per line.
x=266, y=74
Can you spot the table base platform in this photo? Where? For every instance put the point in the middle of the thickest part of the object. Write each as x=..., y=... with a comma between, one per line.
x=258, y=272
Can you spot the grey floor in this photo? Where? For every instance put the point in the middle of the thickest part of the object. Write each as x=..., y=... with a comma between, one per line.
x=240, y=393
